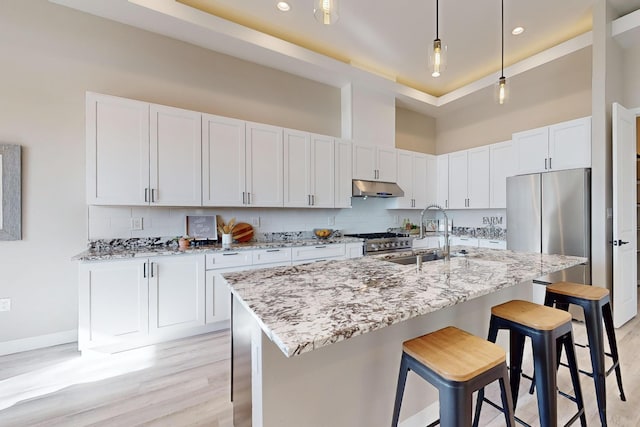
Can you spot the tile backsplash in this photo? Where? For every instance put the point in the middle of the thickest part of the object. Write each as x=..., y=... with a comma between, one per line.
x=370, y=215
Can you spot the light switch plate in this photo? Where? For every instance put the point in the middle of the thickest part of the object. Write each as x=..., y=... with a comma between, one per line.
x=5, y=304
x=136, y=223
x=331, y=220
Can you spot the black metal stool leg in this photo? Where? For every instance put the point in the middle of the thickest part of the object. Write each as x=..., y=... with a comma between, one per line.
x=455, y=407
x=608, y=325
x=402, y=380
x=593, y=322
x=545, y=369
x=516, y=350
x=507, y=401
x=575, y=376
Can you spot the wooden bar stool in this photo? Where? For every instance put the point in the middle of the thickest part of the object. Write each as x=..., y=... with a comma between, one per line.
x=549, y=329
x=597, y=308
x=457, y=364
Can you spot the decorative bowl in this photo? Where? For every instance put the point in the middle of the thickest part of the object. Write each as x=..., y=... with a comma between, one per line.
x=322, y=233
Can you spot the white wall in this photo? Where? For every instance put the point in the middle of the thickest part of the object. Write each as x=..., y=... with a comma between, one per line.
x=630, y=73
x=49, y=56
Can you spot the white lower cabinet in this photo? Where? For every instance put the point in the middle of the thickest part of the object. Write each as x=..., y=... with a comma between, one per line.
x=463, y=241
x=354, y=250
x=304, y=254
x=492, y=244
x=176, y=293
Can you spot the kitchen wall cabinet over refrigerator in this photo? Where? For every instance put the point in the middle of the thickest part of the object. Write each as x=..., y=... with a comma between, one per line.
x=373, y=163
x=561, y=146
x=242, y=163
x=308, y=170
x=141, y=154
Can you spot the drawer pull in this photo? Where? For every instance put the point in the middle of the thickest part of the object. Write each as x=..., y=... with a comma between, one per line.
x=320, y=247
x=230, y=253
x=273, y=250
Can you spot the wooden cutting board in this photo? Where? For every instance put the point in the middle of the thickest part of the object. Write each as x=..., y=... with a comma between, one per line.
x=242, y=232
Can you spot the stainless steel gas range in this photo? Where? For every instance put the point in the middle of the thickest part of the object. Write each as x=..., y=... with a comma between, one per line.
x=377, y=243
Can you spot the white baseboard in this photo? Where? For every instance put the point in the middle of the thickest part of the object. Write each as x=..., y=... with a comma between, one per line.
x=40, y=341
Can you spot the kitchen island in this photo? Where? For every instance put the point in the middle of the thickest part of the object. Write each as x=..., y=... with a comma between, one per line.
x=320, y=344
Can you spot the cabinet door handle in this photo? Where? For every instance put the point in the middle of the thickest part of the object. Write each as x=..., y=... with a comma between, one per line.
x=308, y=199
x=545, y=163
x=153, y=195
x=550, y=163
x=313, y=200
x=144, y=270
x=446, y=203
x=151, y=269
x=248, y=198
x=146, y=195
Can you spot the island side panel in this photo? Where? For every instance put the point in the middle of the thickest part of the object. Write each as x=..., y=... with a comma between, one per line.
x=243, y=328
x=352, y=382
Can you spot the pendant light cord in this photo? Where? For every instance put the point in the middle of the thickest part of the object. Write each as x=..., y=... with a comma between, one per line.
x=502, y=35
x=437, y=14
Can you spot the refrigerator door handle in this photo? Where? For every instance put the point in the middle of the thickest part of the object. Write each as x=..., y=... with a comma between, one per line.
x=618, y=242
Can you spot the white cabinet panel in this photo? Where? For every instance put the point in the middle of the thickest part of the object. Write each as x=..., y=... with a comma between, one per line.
x=218, y=296
x=442, y=192
x=271, y=256
x=458, y=180
x=175, y=157
x=228, y=259
x=176, y=292
x=354, y=250
x=478, y=178
x=405, y=180
x=113, y=302
x=501, y=166
x=343, y=173
x=117, y=132
x=297, y=168
x=322, y=172
x=492, y=244
x=463, y=241
x=318, y=253
x=264, y=163
x=374, y=163
x=531, y=148
x=431, y=195
x=223, y=161
x=570, y=144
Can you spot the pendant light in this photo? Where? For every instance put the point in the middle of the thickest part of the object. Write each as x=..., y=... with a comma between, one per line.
x=501, y=86
x=326, y=11
x=437, y=56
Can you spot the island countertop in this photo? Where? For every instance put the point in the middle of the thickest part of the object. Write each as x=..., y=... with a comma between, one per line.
x=305, y=307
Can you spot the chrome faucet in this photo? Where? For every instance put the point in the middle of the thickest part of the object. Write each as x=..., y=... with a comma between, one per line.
x=446, y=226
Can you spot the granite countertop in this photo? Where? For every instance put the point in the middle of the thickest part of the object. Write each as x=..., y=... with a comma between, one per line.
x=305, y=307
x=119, y=252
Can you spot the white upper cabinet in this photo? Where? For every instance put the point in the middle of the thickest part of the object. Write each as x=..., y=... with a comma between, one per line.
x=412, y=179
x=374, y=163
x=501, y=166
x=176, y=157
x=431, y=193
x=570, y=144
x=117, y=132
x=308, y=170
x=442, y=189
x=469, y=179
x=561, y=146
x=343, y=164
x=223, y=161
x=141, y=154
x=264, y=165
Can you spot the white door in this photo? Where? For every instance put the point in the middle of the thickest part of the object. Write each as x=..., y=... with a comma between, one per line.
x=343, y=166
x=223, y=161
x=624, y=218
x=322, y=171
x=265, y=171
x=458, y=180
x=478, y=178
x=297, y=169
x=117, y=132
x=176, y=292
x=175, y=148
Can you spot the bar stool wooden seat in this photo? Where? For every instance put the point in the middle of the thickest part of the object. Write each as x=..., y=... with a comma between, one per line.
x=457, y=363
x=549, y=330
x=597, y=309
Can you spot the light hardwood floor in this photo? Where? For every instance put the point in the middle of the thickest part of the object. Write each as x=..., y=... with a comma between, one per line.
x=186, y=383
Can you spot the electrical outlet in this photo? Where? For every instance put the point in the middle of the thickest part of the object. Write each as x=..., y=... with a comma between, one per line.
x=396, y=219
x=5, y=304
x=136, y=223
x=255, y=221
x=331, y=220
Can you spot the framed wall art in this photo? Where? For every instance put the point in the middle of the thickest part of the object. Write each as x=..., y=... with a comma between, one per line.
x=10, y=192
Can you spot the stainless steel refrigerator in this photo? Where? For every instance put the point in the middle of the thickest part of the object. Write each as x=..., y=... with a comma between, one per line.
x=551, y=213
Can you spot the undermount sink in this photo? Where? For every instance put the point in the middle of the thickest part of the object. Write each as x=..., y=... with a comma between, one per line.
x=413, y=259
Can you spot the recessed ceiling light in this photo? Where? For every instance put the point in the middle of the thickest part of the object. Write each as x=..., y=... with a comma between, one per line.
x=517, y=31
x=283, y=6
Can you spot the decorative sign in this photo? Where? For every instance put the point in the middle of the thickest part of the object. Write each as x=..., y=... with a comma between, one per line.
x=202, y=227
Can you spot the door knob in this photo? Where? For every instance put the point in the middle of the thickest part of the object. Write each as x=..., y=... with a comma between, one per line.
x=618, y=242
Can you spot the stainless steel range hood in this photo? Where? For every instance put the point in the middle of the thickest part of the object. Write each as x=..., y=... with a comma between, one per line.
x=363, y=188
